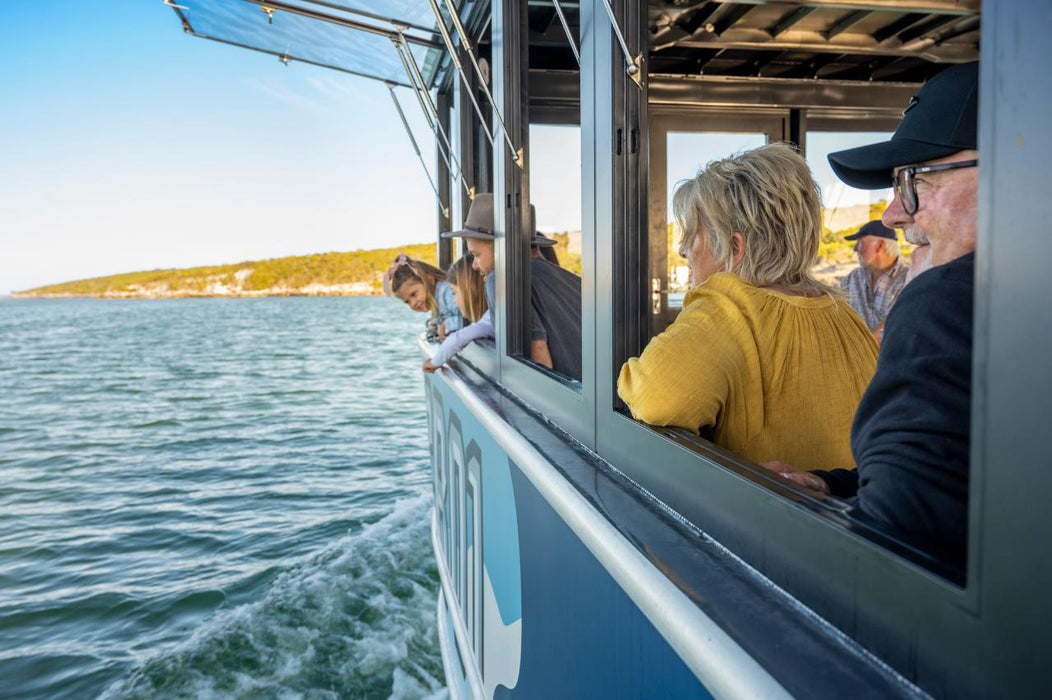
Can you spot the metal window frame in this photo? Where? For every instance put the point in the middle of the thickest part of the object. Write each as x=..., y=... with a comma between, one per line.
x=808, y=548
x=914, y=619
x=774, y=123
x=566, y=403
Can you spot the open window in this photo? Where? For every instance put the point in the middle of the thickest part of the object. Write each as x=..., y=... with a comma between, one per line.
x=682, y=142
x=702, y=101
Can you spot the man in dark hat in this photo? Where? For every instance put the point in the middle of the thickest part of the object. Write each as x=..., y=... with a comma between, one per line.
x=555, y=293
x=873, y=286
x=910, y=436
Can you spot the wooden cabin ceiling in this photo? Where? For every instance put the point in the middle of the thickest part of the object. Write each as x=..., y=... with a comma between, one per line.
x=852, y=40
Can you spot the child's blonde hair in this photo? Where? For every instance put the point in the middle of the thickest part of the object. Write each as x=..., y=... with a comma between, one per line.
x=470, y=286
x=406, y=270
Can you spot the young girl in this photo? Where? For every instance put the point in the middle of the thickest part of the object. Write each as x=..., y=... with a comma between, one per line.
x=424, y=288
x=470, y=297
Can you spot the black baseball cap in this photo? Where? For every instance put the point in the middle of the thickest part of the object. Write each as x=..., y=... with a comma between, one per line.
x=873, y=228
x=939, y=121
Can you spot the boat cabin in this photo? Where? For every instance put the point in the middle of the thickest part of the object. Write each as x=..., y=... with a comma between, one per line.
x=586, y=554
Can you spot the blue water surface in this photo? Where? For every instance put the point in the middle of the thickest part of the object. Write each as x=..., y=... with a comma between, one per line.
x=214, y=498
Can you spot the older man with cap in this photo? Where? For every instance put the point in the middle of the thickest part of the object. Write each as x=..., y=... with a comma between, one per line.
x=555, y=293
x=873, y=286
x=911, y=432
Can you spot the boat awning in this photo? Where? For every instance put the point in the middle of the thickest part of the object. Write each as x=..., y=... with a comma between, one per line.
x=351, y=36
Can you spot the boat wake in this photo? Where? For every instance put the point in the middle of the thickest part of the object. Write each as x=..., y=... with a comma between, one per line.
x=356, y=619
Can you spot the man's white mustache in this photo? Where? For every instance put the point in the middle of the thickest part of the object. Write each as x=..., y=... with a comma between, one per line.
x=915, y=236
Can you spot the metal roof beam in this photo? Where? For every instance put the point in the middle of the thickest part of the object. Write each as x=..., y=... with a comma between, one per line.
x=734, y=13
x=811, y=68
x=902, y=23
x=692, y=20
x=928, y=7
x=342, y=21
x=790, y=19
x=814, y=42
x=846, y=22
x=923, y=28
x=370, y=15
x=968, y=25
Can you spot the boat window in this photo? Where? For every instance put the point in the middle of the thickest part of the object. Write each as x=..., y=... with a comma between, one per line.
x=844, y=208
x=549, y=327
x=555, y=193
x=687, y=152
x=680, y=145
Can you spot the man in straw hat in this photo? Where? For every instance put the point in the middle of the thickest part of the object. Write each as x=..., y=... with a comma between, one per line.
x=555, y=293
x=910, y=436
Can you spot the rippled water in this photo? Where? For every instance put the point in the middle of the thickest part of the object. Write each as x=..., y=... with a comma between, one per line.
x=214, y=498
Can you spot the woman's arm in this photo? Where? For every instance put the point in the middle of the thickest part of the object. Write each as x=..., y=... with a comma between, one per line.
x=458, y=340
x=682, y=378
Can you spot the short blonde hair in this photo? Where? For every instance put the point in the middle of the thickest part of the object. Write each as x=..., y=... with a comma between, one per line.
x=769, y=196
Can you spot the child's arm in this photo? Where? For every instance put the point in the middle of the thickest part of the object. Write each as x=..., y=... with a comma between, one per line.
x=458, y=340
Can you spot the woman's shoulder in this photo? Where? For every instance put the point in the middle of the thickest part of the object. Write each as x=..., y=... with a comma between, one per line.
x=722, y=299
x=722, y=284
x=728, y=289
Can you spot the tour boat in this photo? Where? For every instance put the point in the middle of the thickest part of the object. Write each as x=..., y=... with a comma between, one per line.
x=585, y=554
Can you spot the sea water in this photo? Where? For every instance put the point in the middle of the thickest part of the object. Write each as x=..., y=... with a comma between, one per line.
x=214, y=498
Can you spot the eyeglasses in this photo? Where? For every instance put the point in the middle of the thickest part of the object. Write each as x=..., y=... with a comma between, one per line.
x=906, y=186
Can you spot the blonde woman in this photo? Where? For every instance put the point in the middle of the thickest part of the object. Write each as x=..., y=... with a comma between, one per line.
x=470, y=297
x=764, y=359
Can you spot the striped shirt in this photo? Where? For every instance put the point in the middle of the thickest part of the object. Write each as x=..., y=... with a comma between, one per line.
x=873, y=301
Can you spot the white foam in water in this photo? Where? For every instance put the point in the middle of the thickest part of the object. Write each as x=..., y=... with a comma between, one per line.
x=356, y=619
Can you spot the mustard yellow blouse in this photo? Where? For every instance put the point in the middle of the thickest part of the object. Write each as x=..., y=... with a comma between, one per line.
x=777, y=376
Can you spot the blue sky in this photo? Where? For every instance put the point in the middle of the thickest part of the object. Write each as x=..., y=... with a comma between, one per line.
x=126, y=145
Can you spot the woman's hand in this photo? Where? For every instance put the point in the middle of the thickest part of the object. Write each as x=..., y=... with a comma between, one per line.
x=428, y=367
x=442, y=331
x=798, y=476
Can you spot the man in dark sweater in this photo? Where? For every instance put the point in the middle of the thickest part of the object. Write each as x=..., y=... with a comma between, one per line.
x=555, y=293
x=910, y=436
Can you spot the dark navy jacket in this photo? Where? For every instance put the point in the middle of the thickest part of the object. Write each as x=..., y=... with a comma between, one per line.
x=910, y=437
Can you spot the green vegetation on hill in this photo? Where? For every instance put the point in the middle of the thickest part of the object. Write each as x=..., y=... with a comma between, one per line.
x=358, y=272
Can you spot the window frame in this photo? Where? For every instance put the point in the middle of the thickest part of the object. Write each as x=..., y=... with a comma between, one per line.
x=802, y=545
x=666, y=119
x=566, y=403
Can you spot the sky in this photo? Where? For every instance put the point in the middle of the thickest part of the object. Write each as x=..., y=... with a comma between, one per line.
x=127, y=145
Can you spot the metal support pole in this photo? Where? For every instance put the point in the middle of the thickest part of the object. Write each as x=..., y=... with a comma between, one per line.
x=465, y=42
x=460, y=69
x=517, y=153
x=569, y=35
x=445, y=148
x=417, y=78
x=412, y=140
x=634, y=66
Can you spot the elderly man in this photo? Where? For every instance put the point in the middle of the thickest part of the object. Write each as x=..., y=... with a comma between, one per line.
x=555, y=293
x=910, y=436
x=873, y=286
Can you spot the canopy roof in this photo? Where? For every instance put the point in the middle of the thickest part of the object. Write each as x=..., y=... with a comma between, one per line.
x=839, y=40
x=352, y=36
